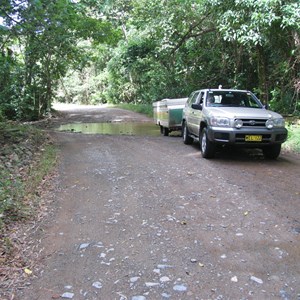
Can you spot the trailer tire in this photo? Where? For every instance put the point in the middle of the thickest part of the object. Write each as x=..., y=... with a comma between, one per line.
x=165, y=131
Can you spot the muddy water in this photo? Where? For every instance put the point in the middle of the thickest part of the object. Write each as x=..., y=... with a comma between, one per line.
x=142, y=129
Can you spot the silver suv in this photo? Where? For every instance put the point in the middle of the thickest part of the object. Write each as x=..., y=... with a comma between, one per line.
x=219, y=117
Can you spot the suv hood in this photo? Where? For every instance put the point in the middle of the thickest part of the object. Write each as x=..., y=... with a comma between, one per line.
x=241, y=112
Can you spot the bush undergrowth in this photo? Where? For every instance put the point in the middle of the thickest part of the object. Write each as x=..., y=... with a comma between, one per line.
x=27, y=158
x=293, y=141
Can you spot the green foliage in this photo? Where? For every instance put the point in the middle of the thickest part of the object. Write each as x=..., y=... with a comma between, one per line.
x=293, y=142
x=282, y=102
x=269, y=29
x=139, y=51
x=44, y=37
x=174, y=47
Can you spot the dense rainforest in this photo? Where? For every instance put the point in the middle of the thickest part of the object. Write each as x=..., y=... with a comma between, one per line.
x=139, y=51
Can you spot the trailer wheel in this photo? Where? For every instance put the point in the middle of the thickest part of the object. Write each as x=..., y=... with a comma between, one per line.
x=165, y=131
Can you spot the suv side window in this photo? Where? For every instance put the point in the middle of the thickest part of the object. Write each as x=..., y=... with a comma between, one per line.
x=201, y=98
x=193, y=98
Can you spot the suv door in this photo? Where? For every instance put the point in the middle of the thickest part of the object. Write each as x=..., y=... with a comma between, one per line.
x=188, y=108
x=196, y=114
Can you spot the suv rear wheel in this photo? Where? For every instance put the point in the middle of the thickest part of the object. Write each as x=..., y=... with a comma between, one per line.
x=208, y=148
x=185, y=134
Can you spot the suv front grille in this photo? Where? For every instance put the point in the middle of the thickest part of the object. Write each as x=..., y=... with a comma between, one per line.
x=254, y=122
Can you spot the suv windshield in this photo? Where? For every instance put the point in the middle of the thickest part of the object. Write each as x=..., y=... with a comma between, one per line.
x=232, y=99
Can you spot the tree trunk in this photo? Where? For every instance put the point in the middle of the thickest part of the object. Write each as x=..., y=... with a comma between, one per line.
x=262, y=70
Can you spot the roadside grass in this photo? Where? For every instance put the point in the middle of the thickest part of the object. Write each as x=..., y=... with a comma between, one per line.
x=145, y=109
x=40, y=171
x=21, y=175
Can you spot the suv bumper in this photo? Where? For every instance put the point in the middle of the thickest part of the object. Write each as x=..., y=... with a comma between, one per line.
x=237, y=136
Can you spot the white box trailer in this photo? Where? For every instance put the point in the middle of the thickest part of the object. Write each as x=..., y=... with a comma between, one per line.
x=167, y=114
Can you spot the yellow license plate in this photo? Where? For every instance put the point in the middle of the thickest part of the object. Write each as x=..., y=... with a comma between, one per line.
x=253, y=138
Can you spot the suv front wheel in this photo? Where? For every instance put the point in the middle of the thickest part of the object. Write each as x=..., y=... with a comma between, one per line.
x=208, y=148
x=272, y=152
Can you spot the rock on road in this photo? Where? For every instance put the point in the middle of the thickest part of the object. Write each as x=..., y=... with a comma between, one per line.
x=142, y=217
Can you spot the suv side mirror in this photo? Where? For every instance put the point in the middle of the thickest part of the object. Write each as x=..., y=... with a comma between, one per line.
x=197, y=106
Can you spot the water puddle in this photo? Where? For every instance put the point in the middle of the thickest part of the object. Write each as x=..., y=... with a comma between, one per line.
x=142, y=129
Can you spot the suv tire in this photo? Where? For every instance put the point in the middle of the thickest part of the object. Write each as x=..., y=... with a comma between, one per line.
x=272, y=152
x=185, y=134
x=208, y=148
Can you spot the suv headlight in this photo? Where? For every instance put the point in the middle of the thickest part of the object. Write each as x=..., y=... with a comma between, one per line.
x=271, y=123
x=219, y=121
x=238, y=123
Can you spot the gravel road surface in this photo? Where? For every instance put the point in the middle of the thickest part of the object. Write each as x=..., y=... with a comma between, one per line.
x=139, y=218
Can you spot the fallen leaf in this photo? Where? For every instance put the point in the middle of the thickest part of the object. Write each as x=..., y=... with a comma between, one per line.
x=27, y=271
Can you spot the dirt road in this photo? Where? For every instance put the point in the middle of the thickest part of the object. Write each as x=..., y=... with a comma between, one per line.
x=140, y=217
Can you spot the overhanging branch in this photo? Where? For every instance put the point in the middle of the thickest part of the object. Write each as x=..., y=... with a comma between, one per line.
x=192, y=34
x=189, y=35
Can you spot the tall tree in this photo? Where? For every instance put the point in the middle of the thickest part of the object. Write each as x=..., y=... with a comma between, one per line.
x=269, y=31
x=47, y=33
